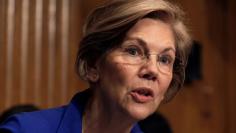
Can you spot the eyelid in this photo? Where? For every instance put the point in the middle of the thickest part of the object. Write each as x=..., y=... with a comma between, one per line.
x=134, y=45
x=142, y=47
x=167, y=55
x=136, y=42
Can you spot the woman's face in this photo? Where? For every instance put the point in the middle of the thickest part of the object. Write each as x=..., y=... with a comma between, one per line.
x=134, y=77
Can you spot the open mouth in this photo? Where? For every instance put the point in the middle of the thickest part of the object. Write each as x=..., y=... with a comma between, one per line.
x=142, y=95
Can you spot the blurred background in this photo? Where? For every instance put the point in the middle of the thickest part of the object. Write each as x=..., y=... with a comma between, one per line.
x=39, y=40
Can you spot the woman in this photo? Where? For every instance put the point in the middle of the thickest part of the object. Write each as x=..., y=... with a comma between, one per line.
x=133, y=55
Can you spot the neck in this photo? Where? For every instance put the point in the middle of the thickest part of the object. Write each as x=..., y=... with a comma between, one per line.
x=100, y=117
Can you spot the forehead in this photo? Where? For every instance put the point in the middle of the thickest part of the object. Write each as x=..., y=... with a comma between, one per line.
x=156, y=34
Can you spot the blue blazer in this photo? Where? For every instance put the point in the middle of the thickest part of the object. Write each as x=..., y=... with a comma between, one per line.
x=66, y=119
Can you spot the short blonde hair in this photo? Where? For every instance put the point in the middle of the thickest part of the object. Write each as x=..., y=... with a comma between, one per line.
x=107, y=26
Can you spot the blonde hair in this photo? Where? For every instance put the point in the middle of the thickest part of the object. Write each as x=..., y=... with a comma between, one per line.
x=107, y=25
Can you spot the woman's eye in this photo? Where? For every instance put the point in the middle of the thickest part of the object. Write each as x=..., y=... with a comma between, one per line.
x=133, y=51
x=165, y=59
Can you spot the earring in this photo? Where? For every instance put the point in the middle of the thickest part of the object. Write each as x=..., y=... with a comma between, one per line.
x=92, y=75
x=95, y=77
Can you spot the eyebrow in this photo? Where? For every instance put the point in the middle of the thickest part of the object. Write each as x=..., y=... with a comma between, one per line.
x=144, y=44
x=169, y=49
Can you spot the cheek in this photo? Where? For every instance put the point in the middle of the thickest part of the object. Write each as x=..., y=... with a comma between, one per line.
x=119, y=73
x=115, y=76
x=165, y=83
x=115, y=82
x=125, y=74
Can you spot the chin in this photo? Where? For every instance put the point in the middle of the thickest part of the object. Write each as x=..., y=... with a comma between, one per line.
x=140, y=112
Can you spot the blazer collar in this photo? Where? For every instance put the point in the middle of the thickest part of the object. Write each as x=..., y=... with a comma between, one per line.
x=71, y=121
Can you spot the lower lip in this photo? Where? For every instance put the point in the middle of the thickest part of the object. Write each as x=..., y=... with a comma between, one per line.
x=140, y=98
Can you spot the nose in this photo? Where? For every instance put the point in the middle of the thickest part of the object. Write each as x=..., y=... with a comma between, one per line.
x=149, y=70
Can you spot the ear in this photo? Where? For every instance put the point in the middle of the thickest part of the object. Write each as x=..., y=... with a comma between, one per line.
x=92, y=74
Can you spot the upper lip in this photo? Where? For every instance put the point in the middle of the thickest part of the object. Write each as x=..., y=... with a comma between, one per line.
x=147, y=90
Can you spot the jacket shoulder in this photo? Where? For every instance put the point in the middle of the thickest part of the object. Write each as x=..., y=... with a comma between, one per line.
x=45, y=121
